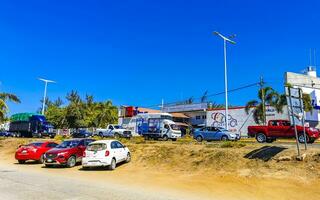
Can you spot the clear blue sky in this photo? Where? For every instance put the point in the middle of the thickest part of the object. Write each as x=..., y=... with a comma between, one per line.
x=138, y=52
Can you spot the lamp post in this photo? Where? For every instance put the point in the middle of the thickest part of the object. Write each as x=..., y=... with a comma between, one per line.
x=45, y=92
x=225, y=40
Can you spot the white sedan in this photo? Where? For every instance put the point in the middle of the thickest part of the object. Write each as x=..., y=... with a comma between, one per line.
x=105, y=153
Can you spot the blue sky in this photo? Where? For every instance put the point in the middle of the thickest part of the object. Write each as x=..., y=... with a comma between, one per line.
x=138, y=52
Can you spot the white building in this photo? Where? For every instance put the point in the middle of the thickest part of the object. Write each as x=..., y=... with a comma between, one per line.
x=310, y=84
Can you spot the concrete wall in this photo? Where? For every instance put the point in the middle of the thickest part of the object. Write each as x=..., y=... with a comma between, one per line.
x=239, y=120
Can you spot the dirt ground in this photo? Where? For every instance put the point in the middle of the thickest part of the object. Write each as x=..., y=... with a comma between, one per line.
x=229, y=170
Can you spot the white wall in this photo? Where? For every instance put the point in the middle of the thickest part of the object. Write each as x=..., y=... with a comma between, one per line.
x=239, y=120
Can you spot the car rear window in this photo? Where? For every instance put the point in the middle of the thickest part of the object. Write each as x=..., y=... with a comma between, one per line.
x=96, y=147
x=37, y=144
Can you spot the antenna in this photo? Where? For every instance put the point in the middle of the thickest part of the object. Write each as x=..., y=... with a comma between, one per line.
x=314, y=57
x=310, y=57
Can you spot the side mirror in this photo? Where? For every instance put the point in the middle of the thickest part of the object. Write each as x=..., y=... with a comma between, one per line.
x=124, y=146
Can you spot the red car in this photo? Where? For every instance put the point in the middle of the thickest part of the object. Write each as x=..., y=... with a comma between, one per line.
x=68, y=153
x=281, y=129
x=33, y=151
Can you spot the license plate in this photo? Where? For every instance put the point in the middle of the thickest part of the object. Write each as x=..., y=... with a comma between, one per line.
x=24, y=151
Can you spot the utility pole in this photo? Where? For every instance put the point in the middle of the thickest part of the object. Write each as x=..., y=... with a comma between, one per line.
x=263, y=100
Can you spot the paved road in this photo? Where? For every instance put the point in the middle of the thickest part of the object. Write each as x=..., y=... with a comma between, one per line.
x=28, y=185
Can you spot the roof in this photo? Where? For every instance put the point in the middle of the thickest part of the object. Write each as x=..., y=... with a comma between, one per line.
x=148, y=110
x=102, y=141
x=179, y=115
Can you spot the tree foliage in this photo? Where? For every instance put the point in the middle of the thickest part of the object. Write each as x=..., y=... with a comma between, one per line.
x=4, y=98
x=79, y=112
x=266, y=96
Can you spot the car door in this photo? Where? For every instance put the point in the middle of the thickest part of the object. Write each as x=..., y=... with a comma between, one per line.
x=122, y=151
x=214, y=133
x=115, y=151
x=274, y=129
x=80, y=149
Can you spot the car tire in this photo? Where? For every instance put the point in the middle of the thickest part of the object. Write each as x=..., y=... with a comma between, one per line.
x=41, y=160
x=224, y=138
x=71, y=162
x=174, y=139
x=165, y=138
x=128, y=159
x=199, y=138
x=112, y=165
x=116, y=135
x=100, y=134
x=21, y=161
x=301, y=138
x=261, y=138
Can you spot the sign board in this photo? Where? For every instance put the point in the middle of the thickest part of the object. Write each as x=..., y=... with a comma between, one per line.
x=185, y=107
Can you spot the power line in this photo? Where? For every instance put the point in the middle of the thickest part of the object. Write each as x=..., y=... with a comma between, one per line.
x=211, y=95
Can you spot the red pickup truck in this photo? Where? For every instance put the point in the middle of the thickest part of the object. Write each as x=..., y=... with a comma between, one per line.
x=281, y=129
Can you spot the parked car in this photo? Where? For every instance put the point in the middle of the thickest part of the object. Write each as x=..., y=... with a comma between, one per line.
x=113, y=130
x=33, y=151
x=81, y=134
x=5, y=134
x=105, y=153
x=68, y=153
x=214, y=133
x=281, y=129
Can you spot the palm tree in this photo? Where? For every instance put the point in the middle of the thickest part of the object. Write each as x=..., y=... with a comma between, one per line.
x=4, y=97
x=267, y=96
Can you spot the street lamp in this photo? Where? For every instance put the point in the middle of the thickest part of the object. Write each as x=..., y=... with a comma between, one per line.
x=45, y=92
x=225, y=40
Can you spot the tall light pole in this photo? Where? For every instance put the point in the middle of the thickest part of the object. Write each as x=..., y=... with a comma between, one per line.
x=225, y=40
x=45, y=92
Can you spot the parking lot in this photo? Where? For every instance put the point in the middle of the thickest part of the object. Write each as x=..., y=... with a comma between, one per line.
x=201, y=171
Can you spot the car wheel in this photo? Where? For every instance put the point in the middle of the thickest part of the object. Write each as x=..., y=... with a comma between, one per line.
x=301, y=138
x=116, y=135
x=128, y=159
x=199, y=138
x=174, y=139
x=41, y=161
x=261, y=138
x=71, y=162
x=165, y=138
x=113, y=164
x=224, y=138
x=21, y=161
x=100, y=134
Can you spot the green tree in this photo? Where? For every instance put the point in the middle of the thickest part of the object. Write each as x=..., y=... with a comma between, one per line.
x=4, y=98
x=266, y=96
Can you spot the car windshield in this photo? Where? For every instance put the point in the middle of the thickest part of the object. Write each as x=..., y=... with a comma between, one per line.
x=222, y=129
x=37, y=144
x=118, y=127
x=97, y=147
x=175, y=127
x=68, y=144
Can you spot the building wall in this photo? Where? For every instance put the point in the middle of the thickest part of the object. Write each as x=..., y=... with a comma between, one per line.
x=239, y=120
x=309, y=85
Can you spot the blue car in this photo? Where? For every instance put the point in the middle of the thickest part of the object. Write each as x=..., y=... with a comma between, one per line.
x=214, y=133
x=5, y=134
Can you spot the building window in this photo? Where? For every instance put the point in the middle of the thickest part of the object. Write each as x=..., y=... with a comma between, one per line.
x=204, y=117
x=198, y=117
